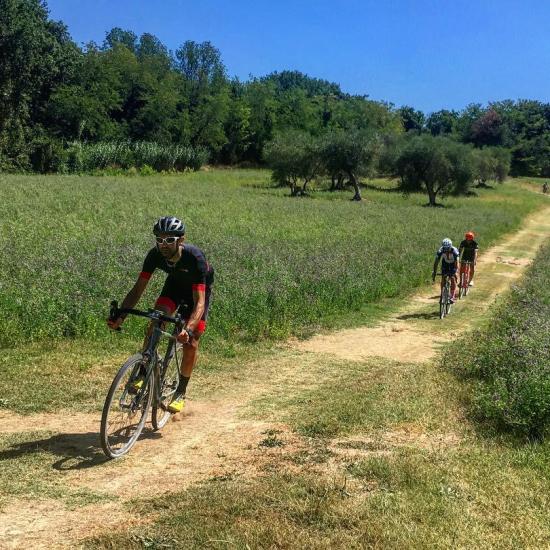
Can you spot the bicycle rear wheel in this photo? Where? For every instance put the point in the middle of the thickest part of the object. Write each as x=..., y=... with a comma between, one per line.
x=124, y=413
x=467, y=281
x=167, y=385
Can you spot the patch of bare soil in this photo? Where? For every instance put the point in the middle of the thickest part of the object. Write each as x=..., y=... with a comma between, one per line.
x=396, y=340
x=46, y=524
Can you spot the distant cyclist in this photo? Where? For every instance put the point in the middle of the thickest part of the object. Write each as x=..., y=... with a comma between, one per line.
x=468, y=250
x=449, y=257
x=545, y=187
x=188, y=285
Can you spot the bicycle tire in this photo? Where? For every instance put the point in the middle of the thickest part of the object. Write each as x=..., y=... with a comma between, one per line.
x=145, y=397
x=448, y=304
x=165, y=387
x=442, y=302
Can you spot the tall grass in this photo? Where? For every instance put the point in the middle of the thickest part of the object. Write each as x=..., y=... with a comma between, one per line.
x=70, y=244
x=509, y=360
x=87, y=157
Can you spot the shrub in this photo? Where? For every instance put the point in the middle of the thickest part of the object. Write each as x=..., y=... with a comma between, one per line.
x=509, y=361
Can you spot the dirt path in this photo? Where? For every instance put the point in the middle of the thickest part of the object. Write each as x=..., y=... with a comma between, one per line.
x=212, y=438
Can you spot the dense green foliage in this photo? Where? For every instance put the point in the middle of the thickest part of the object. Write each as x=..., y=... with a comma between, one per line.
x=510, y=359
x=138, y=154
x=52, y=92
x=437, y=166
x=295, y=160
x=70, y=244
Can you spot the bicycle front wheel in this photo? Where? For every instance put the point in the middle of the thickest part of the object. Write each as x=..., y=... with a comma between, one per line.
x=125, y=411
x=448, y=303
x=167, y=384
x=443, y=299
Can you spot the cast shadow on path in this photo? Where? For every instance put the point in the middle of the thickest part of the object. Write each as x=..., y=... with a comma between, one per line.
x=72, y=451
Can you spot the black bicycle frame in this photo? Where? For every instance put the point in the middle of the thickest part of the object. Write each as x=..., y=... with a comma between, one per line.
x=149, y=354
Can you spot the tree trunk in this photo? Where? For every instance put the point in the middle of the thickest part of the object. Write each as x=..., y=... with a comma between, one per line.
x=431, y=194
x=353, y=181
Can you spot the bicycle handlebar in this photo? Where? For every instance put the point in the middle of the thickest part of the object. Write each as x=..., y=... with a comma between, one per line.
x=116, y=312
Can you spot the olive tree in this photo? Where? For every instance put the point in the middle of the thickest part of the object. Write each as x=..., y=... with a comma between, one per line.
x=436, y=166
x=295, y=160
x=349, y=154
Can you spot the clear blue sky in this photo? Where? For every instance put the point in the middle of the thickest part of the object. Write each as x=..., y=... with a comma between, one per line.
x=430, y=54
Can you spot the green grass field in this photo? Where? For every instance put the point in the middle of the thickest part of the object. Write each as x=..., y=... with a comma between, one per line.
x=284, y=266
x=70, y=244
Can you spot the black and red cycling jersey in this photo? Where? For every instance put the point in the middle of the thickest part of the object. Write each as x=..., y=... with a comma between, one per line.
x=468, y=248
x=191, y=272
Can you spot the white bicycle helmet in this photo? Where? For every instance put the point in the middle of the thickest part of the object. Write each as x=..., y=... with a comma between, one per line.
x=446, y=243
x=169, y=225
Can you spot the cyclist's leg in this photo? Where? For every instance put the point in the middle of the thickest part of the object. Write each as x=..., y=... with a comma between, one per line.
x=462, y=270
x=453, y=286
x=190, y=350
x=450, y=272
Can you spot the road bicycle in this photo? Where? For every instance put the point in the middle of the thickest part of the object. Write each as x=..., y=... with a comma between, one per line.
x=127, y=406
x=464, y=285
x=445, y=303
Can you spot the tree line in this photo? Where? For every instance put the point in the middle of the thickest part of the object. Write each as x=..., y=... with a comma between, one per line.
x=438, y=166
x=63, y=106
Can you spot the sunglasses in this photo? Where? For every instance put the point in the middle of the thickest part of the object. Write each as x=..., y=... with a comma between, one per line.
x=167, y=240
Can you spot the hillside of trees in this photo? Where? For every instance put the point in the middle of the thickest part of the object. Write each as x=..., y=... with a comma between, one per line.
x=57, y=97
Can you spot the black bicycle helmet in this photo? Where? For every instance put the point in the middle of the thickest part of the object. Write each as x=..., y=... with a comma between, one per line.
x=169, y=225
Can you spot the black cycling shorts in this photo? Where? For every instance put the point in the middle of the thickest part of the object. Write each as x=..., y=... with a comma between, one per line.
x=175, y=298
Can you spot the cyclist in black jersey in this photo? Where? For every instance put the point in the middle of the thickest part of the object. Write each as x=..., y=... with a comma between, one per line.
x=187, y=288
x=468, y=253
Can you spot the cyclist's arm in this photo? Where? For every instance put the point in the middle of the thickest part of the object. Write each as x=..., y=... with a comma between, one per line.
x=436, y=263
x=149, y=266
x=132, y=298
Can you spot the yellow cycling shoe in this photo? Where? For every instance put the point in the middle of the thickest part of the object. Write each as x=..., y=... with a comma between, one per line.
x=135, y=385
x=177, y=404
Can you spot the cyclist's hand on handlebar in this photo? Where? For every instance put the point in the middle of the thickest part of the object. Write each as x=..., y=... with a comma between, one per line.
x=114, y=324
x=183, y=337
